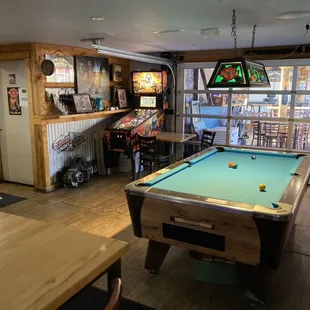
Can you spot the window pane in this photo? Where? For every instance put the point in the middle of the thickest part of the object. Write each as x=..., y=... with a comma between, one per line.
x=268, y=134
x=303, y=78
x=300, y=136
x=261, y=105
x=280, y=77
x=197, y=79
x=212, y=124
x=211, y=104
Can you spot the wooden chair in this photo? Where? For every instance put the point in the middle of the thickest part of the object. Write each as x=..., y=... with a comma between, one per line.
x=207, y=139
x=283, y=135
x=114, y=300
x=271, y=134
x=258, y=133
x=149, y=160
x=302, y=136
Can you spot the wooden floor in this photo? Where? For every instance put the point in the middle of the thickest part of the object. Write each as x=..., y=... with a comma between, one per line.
x=100, y=208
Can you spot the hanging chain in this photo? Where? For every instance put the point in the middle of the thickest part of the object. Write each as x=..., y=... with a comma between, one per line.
x=234, y=30
x=253, y=37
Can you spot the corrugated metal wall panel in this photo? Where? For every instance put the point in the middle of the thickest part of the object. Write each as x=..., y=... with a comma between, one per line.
x=87, y=128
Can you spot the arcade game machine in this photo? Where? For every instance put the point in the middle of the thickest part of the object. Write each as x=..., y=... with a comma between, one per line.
x=147, y=119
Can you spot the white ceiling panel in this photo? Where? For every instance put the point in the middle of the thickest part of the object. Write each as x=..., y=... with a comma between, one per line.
x=133, y=21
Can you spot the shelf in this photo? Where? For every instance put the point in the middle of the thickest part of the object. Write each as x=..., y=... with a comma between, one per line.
x=59, y=85
x=84, y=116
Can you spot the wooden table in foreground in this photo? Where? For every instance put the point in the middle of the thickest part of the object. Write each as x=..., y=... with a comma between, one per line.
x=42, y=265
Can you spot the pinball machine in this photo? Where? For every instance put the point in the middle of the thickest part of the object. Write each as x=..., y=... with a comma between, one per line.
x=149, y=100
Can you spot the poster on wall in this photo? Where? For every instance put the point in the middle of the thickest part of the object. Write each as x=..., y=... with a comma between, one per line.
x=13, y=101
x=12, y=78
x=92, y=75
x=64, y=69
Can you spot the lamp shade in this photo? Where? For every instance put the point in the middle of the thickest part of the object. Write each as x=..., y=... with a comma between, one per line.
x=239, y=72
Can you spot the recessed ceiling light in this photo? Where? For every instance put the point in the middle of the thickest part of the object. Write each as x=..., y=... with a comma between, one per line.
x=168, y=31
x=210, y=32
x=193, y=44
x=97, y=18
x=293, y=15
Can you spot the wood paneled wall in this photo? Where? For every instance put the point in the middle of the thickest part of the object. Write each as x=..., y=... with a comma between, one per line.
x=39, y=110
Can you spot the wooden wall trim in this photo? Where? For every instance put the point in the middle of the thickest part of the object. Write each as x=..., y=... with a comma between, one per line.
x=8, y=56
x=215, y=55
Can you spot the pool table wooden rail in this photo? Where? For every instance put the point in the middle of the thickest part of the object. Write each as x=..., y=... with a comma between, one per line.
x=291, y=197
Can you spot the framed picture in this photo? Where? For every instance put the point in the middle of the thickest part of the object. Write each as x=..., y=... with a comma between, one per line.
x=92, y=76
x=64, y=69
x=122, y=98
x=50, y=92
x=12, y=78
x=82, y=103
x=117, y=73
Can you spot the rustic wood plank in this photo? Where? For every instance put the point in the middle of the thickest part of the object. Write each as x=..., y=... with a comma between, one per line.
x=46, y=264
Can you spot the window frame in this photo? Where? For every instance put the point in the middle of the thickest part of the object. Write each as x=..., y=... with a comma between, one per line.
x=293, y=92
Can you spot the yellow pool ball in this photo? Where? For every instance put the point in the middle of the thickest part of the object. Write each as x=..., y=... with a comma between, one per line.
x=262, y=187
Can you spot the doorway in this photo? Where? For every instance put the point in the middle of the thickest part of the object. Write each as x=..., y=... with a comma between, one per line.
x=15, y=139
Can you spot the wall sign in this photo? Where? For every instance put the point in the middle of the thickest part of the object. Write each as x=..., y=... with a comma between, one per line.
x=68, y=142
x=23, y=97
x=13, y=101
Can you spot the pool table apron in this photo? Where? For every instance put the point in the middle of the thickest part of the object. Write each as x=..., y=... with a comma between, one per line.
x=242, y=241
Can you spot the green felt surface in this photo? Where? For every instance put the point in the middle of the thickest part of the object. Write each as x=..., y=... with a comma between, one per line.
x=211, y=177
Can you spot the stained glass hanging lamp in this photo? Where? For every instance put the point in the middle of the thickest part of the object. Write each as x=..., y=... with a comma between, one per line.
x=239, y=72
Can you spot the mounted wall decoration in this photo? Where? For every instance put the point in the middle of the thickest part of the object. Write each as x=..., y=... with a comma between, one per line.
x=117, y=73
x=82, y=103
x=47, y=67
x=92, y=76
x=64, y=69
x=13, y=101
x=68, y=142
x=122, y=98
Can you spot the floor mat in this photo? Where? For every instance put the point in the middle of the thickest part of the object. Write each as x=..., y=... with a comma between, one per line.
x=6, y=199
x=92, y=298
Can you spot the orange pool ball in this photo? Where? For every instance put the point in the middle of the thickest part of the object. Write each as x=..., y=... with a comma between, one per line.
x=262, y=187
x=231, y=164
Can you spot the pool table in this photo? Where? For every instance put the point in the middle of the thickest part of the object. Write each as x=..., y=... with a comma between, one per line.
x=201, y=204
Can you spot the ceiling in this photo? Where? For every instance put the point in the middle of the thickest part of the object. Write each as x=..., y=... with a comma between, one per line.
x=66, y=22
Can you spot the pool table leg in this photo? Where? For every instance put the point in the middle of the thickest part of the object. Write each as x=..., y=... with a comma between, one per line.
x=155, y=255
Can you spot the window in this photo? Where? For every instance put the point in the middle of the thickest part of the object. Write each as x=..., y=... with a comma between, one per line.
x=283, y=110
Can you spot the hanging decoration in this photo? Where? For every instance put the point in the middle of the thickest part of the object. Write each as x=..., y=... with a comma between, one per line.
x=239, y=72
